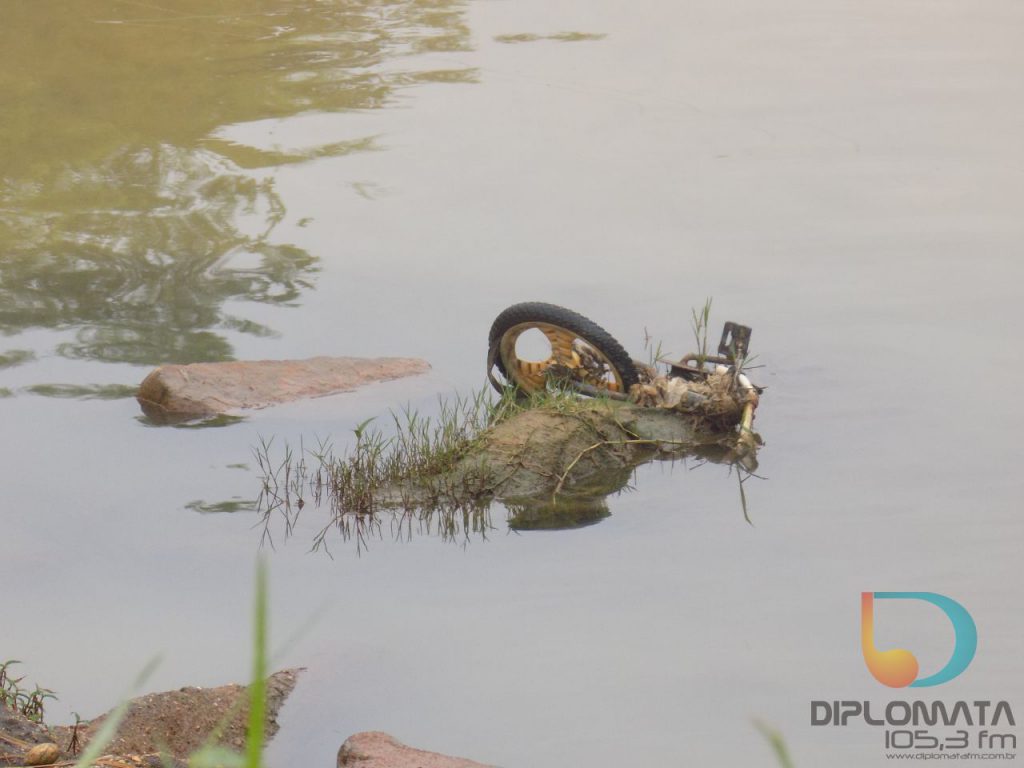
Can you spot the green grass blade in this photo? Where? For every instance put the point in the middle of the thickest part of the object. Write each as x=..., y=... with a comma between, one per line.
x=258, y=688
x=108, y=730
x=778, y=744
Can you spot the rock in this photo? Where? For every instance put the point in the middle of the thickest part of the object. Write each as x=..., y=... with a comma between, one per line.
x=180, y=721
x=586, y=449
x=181, y=392
x=373, y=749
x=43, y=754
x=15, y=725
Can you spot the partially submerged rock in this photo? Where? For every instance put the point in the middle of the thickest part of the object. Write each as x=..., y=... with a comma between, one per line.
x=182, y=392
x=581, y=453
x=374, y=749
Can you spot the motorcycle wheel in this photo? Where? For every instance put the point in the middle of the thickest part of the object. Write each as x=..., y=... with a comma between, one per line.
x=579, y=346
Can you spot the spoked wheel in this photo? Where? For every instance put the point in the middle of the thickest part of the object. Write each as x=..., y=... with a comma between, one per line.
x=530, y=342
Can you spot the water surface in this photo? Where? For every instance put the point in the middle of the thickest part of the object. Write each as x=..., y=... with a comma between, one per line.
x=267, y=180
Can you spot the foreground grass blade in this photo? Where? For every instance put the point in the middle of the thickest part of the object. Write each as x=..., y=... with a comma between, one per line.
x=258, y=688
x=778, y=744
x=107, y=732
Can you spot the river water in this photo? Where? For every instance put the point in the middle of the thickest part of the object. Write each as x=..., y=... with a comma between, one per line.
x=244, y=180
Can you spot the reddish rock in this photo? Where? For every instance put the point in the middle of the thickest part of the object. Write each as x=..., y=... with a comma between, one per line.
x=178, y=392
x=374, y=749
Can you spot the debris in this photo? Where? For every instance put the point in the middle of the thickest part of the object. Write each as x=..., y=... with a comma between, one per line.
x=580, y=355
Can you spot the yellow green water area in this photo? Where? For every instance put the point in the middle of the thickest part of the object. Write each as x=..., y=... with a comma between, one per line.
x=120, y=205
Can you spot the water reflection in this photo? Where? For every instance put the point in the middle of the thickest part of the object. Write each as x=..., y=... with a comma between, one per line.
x=214, y=422
x=15, y=357
x=123, y=216
x=228, y=506
x=557, y=514
x=84, y=391
x=560, y=37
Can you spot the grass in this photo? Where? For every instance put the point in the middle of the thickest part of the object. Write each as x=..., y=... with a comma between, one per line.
x=30, y=703
x=403, y=468
x=418, y=447
x=258, y=687
x=700, y=322
x=407, y=470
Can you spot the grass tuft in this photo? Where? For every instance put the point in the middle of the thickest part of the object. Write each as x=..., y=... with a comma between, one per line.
x=404, y=468
x=29, y=702
x=700, y=322
x=407, y=470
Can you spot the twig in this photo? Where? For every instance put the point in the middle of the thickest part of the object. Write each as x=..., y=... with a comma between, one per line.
x=15, y=742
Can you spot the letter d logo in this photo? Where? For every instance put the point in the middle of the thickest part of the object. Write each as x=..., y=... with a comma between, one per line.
x=897, y=667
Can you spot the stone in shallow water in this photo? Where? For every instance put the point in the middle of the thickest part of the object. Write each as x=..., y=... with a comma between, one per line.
x=374, y=749
x=181, y=392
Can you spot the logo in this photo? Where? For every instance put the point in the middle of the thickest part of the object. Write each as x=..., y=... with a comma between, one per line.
x=898, y=667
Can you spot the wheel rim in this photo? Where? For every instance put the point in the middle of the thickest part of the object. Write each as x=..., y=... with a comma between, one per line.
x=566, y=349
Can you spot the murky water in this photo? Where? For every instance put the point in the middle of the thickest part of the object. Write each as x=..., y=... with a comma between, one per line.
x=264, y=180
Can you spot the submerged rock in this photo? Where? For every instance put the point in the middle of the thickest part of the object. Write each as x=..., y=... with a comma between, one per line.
x=374, y=749
x=182, y=392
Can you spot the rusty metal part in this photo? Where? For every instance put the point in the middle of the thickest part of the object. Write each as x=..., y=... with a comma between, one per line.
x=589, y=364
x=735, y=341
x=684, y=370
x=584, y=388
x=733, y=346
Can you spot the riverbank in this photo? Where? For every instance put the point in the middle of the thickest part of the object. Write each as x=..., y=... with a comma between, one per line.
x=166, y=730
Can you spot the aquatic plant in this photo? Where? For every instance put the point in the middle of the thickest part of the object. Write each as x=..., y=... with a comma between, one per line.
x=382, y=469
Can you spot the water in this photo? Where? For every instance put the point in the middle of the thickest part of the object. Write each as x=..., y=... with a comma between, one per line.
x=269, y=180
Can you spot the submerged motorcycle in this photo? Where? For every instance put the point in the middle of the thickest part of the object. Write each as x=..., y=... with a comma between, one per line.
x=582, y=356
